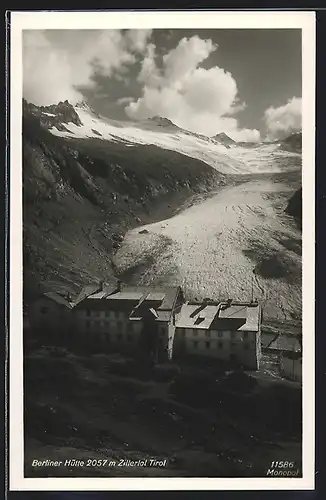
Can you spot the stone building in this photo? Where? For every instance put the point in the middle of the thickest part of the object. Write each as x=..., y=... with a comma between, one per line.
x=130, y=319
x=228, y=331
x=153, y=322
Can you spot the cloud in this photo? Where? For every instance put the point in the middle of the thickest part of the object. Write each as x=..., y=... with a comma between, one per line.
x=138, y=39
x=198, y=99
x=124, y=100
x=58, y=64
x=283, y=120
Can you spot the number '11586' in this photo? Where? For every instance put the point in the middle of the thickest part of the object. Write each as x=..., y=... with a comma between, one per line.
x=282, y=464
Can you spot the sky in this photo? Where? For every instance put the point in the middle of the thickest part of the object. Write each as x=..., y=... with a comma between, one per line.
x=246, y=83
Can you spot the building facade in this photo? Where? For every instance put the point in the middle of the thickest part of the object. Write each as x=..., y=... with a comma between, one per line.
x=227, y=331
x=132, y=319
x=49, y=312
x=291, y=365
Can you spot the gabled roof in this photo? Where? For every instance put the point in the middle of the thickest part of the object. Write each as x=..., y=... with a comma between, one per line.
x=280, y=342
x=233, y=311
x=126, y=295
x=196, y=316
x=295, y=355
x=86, y=291
x=219, y=316
x=142, y=298
x=59, y=299
x=103, y=292
x=156, y=292
x=242, y=317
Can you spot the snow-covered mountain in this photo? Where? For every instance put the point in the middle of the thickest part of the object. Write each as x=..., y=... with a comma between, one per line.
x=220, y=152
x=89, y=179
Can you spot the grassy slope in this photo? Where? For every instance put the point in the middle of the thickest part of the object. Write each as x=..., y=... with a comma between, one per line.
x=110, y=407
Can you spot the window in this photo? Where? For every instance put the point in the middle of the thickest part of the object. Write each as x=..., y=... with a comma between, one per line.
x=220, y=345
x=107, y=314
x=88, y=312
x=44, y=309
x=207, y=344
x=195, y=333
x=136, y=326
x=233, y=335
x=208, y=334
x=119, y=325
x=245, y=335
x=220, y=334
x=195, y=344
x=246, y=346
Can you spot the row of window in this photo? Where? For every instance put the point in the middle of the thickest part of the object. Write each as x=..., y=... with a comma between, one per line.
x=209, y=345
x=119, y=337
x=92, y=313
x=131, y=326
x=129, y=338
x=220, y=334
x=107, y=314
x=101, y=324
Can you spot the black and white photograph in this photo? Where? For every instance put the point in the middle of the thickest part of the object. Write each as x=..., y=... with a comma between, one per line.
x=162, y=232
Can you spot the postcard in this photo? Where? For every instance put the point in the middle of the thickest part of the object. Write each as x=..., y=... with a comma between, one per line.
x=161, y=250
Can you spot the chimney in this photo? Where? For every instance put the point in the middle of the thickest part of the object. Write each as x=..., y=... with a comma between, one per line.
x=101, y=284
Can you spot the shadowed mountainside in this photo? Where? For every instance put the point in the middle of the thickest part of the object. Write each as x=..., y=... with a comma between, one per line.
x=78, y=194
x=294, y=206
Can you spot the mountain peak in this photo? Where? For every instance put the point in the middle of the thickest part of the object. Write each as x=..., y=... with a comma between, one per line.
x=54, y=114
x=84, y=105
x=223, y=138
x=162, y=121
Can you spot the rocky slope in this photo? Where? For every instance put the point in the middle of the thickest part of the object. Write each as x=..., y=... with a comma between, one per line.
x=294, y=206
x=80, y=195
x=293, y=143
x=224, y=139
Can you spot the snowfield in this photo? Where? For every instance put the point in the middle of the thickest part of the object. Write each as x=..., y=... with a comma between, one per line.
x=235, y=159
x=212, y=249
